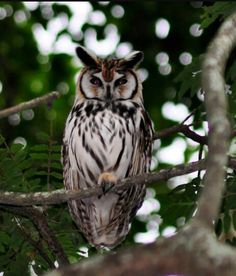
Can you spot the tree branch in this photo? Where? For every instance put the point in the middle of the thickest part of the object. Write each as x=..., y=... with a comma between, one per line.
x=185, y=129
x=48, y=98
x=36, y=244
x=182, y=129
x=219, y=128
x=61, y=195
x=193, y=252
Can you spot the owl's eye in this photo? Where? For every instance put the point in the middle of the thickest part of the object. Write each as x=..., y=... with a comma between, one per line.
x=120, y=81
x=96, y=81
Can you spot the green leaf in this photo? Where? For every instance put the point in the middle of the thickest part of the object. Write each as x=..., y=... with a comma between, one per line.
x=234, y=219
x=56, y=165
x=56, y=156
x=211, y=13
x=39, y=156
x=2, y=248
x=34, y=182
x=41, y=173
x=189, y=78
x=16, y=148
x=19, y=266
x=230, y=202
x=56, y=175
x=2, y=139
x=41, y=147
x=25, y=164
x=56, y=148
x=30, y=172
x=4, y=237
x=43, y=136
x=227, y=222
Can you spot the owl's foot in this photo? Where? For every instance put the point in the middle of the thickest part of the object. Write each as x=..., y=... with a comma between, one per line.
x=106, y=181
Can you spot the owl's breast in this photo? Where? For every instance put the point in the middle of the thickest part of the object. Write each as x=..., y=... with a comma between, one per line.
x=102, y=138
x=115, y=137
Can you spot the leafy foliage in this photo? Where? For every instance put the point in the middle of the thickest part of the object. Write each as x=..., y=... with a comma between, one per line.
x=218, y=9
x=190, y=78
x=30, y=169
x=179, y=204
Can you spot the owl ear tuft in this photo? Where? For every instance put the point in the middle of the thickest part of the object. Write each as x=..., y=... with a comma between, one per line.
x=87, y=57
x=132, y=60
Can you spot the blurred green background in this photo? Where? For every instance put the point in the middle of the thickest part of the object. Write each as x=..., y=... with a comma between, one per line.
x=37, y=53
x=37, y=56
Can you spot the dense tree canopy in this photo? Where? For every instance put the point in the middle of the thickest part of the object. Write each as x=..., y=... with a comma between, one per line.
x=37, y=57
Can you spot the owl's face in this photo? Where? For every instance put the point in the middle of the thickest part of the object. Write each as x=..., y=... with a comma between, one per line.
x=109, y=80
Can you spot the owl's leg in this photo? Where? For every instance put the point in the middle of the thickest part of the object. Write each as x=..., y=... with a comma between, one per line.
x=107, y=181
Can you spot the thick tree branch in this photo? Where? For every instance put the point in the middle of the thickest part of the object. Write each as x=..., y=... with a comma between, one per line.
x=61, y=195
x=219, y=128
x=193, y=252
x=48, y=99
x=40, y=222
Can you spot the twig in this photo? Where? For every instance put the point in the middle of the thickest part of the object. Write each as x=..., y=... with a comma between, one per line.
x=182, y=129
x=194, y=136
x=48, y=98
x=42, y=226
x=47, y=234
x=191, y=114
x=219, y=129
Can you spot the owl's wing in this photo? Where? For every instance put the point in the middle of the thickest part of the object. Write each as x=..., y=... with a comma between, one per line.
x=71, y=177
x=141, y=158
x=65, y=161
x=132, y=197
x=77, y=208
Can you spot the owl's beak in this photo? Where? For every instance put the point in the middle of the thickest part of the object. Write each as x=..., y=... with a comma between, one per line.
x=108, y=94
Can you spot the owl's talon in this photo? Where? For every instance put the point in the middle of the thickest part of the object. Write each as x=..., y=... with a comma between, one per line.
x=106, y=181
x=107, y=186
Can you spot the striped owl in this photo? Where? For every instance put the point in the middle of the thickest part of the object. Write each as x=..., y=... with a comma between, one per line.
x=108, y=137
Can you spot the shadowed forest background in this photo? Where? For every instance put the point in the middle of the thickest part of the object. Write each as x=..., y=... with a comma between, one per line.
x=37, y=57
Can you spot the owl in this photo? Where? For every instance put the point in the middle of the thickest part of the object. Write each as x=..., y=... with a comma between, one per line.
x=108, y=137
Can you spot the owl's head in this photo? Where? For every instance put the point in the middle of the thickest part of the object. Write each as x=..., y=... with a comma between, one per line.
x=109, y=79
